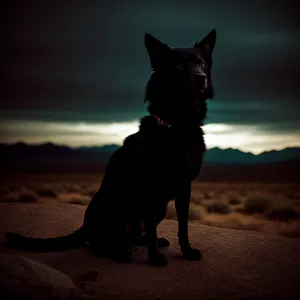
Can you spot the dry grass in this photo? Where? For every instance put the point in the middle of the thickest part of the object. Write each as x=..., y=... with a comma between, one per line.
x=234, y=199
x=218, y=208
x=28, y=196
x=196, y=212
x=13, y=188
x=74, y=188
x=270, y=208
x=282, y=211
x=48, y=191
x=80, y=200
x=90, y=190
x=10, y=197
x=256, y=204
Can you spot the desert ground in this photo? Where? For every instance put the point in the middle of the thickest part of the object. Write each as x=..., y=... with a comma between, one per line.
x=248, y=233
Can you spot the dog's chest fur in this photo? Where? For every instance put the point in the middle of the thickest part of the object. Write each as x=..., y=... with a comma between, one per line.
x=168, y=156
x=178, y=154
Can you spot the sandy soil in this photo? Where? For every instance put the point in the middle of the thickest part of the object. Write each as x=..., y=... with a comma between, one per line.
x=235, y=265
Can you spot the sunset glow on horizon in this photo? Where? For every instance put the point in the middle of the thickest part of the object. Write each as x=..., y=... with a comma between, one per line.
x=246, y=138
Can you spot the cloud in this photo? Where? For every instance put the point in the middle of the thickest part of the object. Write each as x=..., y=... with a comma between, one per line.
x=87, y=63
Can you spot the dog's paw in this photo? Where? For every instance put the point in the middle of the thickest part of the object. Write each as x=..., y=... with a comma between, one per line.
x=162, y=243
x=123, y=256
x=158, y=260
x=191, y=254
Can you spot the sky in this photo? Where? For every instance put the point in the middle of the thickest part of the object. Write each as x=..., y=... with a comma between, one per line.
x=75, y=71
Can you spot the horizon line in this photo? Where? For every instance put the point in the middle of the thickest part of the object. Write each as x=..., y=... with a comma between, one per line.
x=119, y=145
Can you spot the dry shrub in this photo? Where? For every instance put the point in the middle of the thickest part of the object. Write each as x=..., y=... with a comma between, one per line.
x=171, y=212
x=197, y=199
x=233, y=199
x=10, y=197
x=90, y=191
x=4, y=190
x=218, y=208
x=59, y=188
x=256, y=204
x=282, y=211
x=294, y=196
x=28, y=196
x=74, y=188
x=46, y=191
x=14, y=188
x=238, y=208
x=209, y=195
x=196, y=212
x=243, y=192
x=80, y=200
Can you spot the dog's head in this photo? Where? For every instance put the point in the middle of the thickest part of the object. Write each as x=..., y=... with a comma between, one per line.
x=181, y=79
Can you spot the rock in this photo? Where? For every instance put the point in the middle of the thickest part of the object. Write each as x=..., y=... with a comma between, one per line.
x=22, y=278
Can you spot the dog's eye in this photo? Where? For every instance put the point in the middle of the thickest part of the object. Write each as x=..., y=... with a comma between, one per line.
x=202, y=65
x=180, y=66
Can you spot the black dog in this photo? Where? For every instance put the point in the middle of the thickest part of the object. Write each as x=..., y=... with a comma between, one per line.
x=155, y=165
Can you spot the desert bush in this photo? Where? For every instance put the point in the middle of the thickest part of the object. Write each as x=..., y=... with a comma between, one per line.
x=89, y=192
x=171, y=212
x=28, y=196
x=256, y=204
x=218, y=208
x=209, y=195
x=14, y=188
x=59, y=188
x=243, y=192
x=233, y=199
x=196, y=212
x=282, y=211
x=80, y=200
x=294, y=195
x=46, y=191
x=10, y=197
x=239, y=209
x=197, y=199
x=4, y=190
x=74, y=188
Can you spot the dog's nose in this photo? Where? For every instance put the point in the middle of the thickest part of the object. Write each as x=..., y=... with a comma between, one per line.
x=200, y=79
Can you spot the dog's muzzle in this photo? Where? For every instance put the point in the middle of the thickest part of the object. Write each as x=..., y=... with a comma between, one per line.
x=200, y=80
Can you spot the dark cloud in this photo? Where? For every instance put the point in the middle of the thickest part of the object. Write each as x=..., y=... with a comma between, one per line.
x=74, y=60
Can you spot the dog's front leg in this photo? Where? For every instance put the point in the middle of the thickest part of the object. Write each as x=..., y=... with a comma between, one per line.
x=182, y=204
x=155, y=257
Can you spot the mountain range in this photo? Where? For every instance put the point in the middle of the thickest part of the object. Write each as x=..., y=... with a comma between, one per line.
x=22, y=154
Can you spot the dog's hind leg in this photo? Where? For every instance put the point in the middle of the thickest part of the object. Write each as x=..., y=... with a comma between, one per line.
x=161, y=242
x=112, y=243
x=155, y=257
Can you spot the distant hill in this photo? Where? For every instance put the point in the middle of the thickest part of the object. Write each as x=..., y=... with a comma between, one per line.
x=47, y=154
x=234, y=156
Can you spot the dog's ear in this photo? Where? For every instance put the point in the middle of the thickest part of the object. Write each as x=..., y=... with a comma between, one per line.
x=206, y=46
x=156, y=49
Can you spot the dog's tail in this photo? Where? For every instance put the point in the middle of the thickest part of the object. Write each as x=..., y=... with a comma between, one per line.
x=75, y=239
